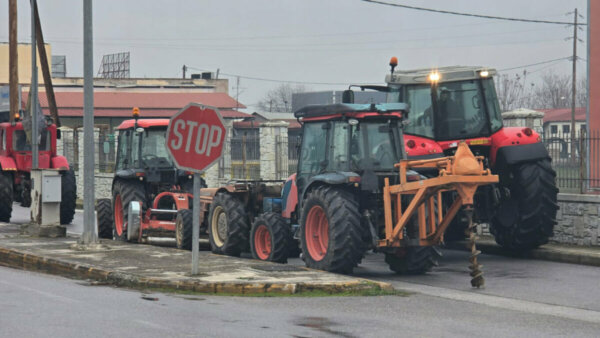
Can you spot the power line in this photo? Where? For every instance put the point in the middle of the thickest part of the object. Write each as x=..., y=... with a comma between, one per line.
x=535, y=64
x=471, y=14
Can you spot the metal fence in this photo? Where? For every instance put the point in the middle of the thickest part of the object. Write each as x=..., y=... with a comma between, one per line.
x=570, y=158
x=293, y=151
x=104, y=146
x=245, y=156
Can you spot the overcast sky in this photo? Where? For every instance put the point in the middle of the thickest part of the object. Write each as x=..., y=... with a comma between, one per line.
x=323, y=41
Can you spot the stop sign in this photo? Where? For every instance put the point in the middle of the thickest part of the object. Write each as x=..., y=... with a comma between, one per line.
x=195, y=137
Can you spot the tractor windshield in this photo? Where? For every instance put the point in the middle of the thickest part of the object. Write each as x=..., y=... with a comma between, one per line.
x=153, y=149
x=462, y=109
x=21, y=143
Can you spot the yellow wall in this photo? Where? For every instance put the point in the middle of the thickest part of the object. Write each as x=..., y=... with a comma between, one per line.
x=24, y=51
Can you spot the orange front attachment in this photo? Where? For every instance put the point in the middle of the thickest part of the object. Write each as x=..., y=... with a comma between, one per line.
x=462, y=173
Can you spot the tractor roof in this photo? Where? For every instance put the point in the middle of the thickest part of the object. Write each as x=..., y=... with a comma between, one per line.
x=144, y=123
x=446, y=74
x=351, y=110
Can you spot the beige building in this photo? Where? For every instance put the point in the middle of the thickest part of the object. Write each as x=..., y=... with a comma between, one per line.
x=24, y=52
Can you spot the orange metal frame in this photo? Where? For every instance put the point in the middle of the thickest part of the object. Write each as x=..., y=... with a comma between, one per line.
x=462, y=173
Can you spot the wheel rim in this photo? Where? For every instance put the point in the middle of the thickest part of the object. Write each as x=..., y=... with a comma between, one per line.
x=219, y=226
x=317, y=233
x=262, y=242
x=118, y=215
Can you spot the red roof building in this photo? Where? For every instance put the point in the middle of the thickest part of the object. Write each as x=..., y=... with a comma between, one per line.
x=562, y=114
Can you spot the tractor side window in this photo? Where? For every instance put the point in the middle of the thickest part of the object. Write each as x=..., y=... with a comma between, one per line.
x=492, y=104
x=421, y=115
x=44, y=140
x=338, y=160
x=135, y=150
x=20, y=142
x=3, y=140
x=313, y=148
x=122, y=150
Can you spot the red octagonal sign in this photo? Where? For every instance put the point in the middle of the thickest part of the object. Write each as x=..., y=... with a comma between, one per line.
x=195, y=137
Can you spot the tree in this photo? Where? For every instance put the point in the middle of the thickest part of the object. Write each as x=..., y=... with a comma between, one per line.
x=513, y=92
x=553, y=92
x=279, y=99
x=581, y=95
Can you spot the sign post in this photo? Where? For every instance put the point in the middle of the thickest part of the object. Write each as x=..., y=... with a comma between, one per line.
x=195, y=140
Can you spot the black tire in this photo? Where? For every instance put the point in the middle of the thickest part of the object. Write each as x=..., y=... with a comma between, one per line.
x=274, y=226
x=228, y=228
x=527, y=219
x=104, y=218
x=345, y=247
x=68, y=188
x=128, y=191
x=6, y=196
x=413, y=260
x=184, y=229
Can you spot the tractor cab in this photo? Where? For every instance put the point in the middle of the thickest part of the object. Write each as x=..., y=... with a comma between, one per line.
x=450, y=103
x=354, y=144
x=142, y=155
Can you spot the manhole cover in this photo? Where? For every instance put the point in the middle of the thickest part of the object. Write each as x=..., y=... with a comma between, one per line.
x=276, y=267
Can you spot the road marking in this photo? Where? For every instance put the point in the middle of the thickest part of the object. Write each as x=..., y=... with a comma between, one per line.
x=503, y=303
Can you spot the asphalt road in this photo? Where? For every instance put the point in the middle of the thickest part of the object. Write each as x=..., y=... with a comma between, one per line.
x=522, y=297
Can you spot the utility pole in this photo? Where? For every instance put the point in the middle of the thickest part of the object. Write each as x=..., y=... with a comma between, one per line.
x=184, y=69
x=89, y=233
x=574, y=87
x=33, y=95
x=13, y=60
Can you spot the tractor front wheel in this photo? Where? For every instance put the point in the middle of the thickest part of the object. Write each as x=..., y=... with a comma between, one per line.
x=413, y=260
x=124, y=192
x=104, y=218
x=270, y=238
x=228, y=228
x=184, y=229
x=526, y=219
x=6, y=196
x=330, y=231
x=68, y=196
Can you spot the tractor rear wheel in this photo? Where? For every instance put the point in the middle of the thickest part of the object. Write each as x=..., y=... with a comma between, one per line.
x=68, y=196
x=104, y=218
x=124, y=192
x=526, y=220
x=413, y=260
x=6, y=196
x=330, y=230
x=228, y=228
x=184, y=228
x=270, y=238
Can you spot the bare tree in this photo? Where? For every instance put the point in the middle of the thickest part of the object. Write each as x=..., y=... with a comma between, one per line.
x=581, y=95
x=279, y=99
x=554, y=91
x=513, y=92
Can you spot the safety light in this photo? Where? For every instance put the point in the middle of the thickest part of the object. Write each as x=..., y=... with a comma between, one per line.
x=484, y=73
x=434, y=77
x=411, y=144
x=527, y=131
x=17, y=116
x=135, y=112
x=394, y=61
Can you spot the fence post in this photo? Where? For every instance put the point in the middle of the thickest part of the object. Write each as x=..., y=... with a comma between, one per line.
x=582, y=162
x=269, y=156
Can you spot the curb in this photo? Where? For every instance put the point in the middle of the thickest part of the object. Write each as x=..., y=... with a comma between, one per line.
x=561, y=254
x=24, y=261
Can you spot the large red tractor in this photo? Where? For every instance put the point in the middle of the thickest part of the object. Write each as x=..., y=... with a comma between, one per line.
x=452, y=104
x=16, y=160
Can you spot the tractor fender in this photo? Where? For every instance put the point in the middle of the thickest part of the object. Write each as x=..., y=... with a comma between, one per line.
x=423, y=148
x=59, y=162
x=336, y=178
x=289, y=197
x=7, y=163
x=510, y=155
x=515, y=137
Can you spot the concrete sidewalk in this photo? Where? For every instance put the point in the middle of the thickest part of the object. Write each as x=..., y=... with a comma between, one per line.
x=584, y=255
x=147, y=266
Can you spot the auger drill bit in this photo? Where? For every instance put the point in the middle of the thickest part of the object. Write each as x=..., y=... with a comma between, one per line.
x=477, y=280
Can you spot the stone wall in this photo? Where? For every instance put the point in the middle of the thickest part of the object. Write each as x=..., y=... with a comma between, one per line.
x=524, y=118
x=578, y=219
x=273, y=150
x=102, y=185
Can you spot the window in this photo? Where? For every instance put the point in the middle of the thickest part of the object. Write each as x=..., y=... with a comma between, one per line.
x=420, y=118
x=154, y=151
x=339, y=147
x=566, y=128
x=21, y=143
x=313, y=148
x=122, y=150
x=553, y=129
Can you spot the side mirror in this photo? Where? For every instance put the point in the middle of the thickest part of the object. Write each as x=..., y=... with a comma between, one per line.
x=58, y=134
x=348, y=96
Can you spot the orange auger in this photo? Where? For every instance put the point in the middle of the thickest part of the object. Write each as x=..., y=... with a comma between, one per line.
x=462, y=173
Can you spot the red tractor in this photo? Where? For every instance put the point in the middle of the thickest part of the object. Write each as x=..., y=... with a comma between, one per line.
x=452, y=104
x=16, y=159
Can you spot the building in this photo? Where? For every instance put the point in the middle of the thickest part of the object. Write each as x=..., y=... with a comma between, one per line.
x=24, y=63
x=557, y=122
